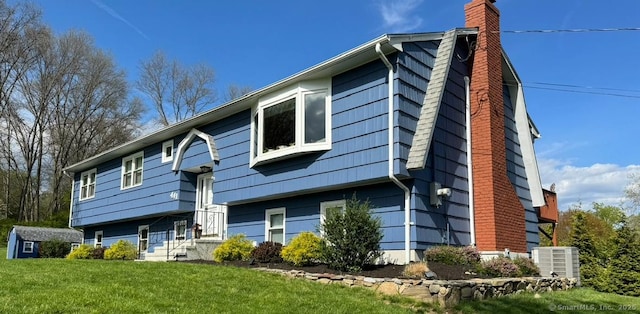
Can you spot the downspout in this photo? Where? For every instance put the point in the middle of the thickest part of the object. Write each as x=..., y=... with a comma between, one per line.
x=472, y=219
x=73, y=183
x=392, y=176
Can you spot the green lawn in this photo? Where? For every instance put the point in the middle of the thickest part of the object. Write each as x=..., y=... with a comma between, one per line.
x=97, y=286
x=581, y=300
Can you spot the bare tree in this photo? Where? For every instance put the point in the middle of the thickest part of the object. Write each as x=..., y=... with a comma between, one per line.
x=176, y=91
x=20, y=27
x=236, y=91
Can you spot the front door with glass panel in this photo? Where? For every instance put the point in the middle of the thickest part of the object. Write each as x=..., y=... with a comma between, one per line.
x=143, y=238
x=210, y=217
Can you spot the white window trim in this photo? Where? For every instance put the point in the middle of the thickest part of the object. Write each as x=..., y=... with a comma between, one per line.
x=323, y=210
x=74, y=246
x=297, y=91
x=140, y=228
x=95, y=238
x=267, y=222
x=95, y=178
x=24, y=247
x=122, y=172
x=165, y=145
x=183, y=236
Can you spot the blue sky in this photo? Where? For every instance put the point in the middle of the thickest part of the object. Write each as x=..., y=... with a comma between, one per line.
x=588, y=145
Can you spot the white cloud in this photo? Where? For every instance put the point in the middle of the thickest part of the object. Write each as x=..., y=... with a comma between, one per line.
x=603, y=183
x=119, y=17
x=398, y=15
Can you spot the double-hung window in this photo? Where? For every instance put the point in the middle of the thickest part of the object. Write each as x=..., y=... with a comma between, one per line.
x=294, y=120
x=88, y=184
x=132, y=170
x=330, y=207
x=27, y=247
x=274, y=225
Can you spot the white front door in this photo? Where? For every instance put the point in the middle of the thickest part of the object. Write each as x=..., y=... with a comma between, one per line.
x=210, y=217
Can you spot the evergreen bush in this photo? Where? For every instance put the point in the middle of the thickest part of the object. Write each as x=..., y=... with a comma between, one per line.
x=237, y=247
x=352, y=238
x=121, y=250
x=54, y=248
x=304, y=249
x=625, y=265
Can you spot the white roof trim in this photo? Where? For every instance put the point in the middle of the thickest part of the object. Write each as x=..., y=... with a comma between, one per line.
x=423, y=136
x=524, y=125
x=182, y=147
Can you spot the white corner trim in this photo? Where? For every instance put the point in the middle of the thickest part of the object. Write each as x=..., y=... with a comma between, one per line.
x=182, y=147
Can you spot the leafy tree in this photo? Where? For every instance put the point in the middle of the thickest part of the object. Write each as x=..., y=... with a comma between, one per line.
x=625, y=265
x=590, y=267
x=352, y=237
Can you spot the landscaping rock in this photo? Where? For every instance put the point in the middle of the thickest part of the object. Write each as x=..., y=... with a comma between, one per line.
x=388, y=288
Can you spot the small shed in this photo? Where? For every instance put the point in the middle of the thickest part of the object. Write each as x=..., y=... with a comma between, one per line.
x=24, y=242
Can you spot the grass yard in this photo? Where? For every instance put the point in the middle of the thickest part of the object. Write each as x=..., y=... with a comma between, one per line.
x=97, y=286
x=581, y=300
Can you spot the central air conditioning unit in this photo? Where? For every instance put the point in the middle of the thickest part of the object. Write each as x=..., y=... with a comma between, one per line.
x=561, y=260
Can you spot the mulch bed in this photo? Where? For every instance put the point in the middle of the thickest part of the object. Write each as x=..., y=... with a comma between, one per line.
x=444, y=272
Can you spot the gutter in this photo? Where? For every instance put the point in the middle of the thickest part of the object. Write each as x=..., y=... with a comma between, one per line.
x=472, y=219
x=392, y=177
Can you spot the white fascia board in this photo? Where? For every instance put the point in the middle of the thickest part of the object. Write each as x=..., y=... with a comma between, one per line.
x=525, y=137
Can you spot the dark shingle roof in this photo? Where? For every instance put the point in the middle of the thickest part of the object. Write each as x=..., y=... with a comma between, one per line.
x=46, y=234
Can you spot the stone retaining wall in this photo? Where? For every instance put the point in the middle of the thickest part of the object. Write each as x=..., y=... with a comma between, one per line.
x=447, y=293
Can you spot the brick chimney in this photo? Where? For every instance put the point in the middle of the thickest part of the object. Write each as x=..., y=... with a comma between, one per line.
x=499, y=215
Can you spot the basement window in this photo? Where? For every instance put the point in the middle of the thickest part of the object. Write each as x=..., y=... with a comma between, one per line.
x=293, y=121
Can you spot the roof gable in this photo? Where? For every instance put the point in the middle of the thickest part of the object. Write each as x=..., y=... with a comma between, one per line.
x=39, y=234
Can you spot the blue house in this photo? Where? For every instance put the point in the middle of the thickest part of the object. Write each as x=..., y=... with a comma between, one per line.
x=397, y=120
x=24, y=242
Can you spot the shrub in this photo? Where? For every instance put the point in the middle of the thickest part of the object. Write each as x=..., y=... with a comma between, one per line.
x=500, y=267
x=352, y=238
x=453, y=255
x=415, y=270
x=527, y=267
x=237, y=247
x=304, y=249
x=267, y=252
x=121, y=250
x=55, y=248
x=98, y=252
x=84, y=251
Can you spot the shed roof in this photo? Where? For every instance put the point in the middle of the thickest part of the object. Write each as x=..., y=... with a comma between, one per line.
x=46, y=234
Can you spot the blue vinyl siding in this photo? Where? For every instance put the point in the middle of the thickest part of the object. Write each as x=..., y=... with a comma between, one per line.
x=516, y=171
x=446, y=162
x=358, y=152
x=12, y=245
x=159, y=229
x=303, y=213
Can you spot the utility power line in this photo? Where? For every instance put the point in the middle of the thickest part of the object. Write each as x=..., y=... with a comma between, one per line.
x=576, y=30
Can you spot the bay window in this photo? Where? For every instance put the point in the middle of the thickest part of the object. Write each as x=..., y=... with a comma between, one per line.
x=295, y=120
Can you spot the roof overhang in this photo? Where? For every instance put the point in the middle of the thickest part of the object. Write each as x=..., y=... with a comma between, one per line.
x=343, y=62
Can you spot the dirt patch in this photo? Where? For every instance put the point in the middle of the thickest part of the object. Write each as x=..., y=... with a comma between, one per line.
x=444, y=272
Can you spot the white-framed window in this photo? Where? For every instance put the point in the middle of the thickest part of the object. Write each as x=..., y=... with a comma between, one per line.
x=326, y=207
x=143, y=238
x=275, y=220
x=27, y=247
x=167, y=151
x=74, y=246
x=97, y=239
x=132, y=170
x=88, y=184
x=180, y=227
x=295, y=120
